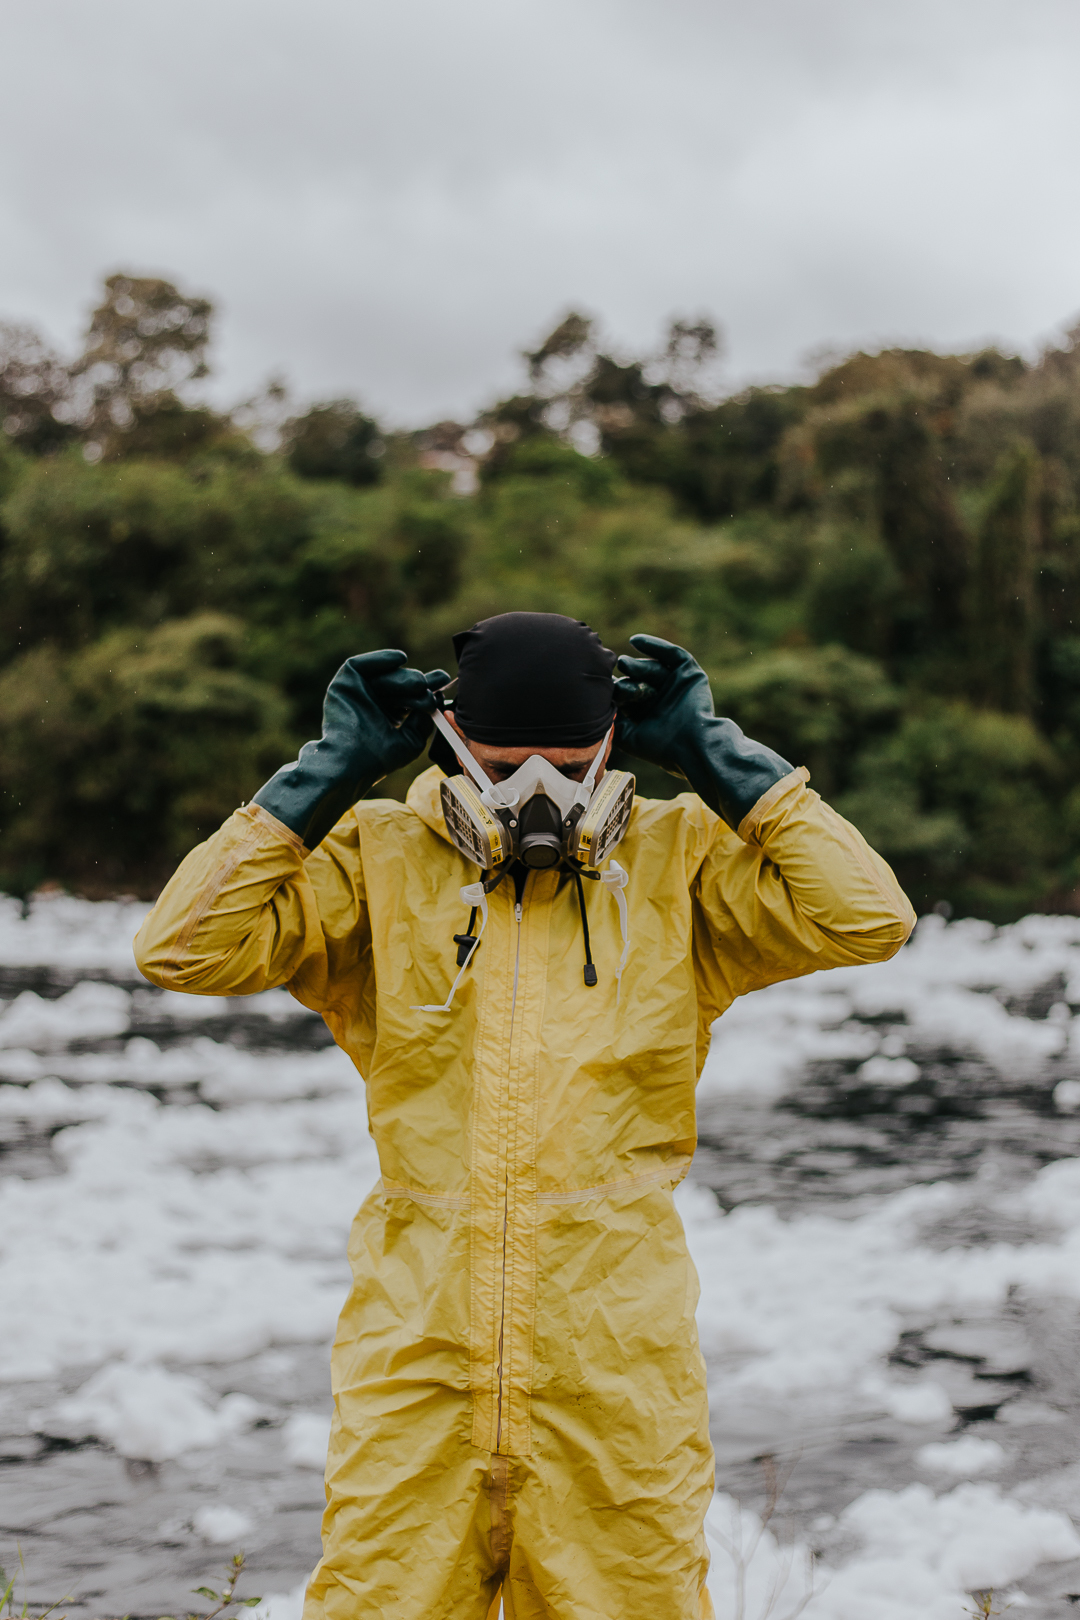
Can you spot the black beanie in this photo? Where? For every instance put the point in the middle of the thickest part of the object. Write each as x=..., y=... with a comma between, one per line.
x=534, y=679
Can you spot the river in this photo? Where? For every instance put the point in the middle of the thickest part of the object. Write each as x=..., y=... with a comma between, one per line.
x=884, y=1210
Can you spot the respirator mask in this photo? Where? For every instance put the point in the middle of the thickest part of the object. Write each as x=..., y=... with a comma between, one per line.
x=538, y=815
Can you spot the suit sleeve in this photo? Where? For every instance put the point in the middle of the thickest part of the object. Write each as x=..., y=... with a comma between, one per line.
x=797, y=889
x=251, y=909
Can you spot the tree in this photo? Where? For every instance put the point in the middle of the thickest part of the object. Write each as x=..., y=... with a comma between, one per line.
x=116, y=758
x=602, y=404
x=944, y=799
x=146, y=341
x=876, y=462
x=35, y=391
x=1002, y=619
x=880, y=570
x=334, y=440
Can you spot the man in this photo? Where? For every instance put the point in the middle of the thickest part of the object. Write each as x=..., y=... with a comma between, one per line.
x=520, y=1404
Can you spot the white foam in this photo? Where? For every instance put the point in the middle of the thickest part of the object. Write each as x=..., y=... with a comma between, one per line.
x=179, y=1004
x=925, y=1401
x=888, y=1071
x=183, y=1233
x=813, y=1302
x=61, y=931
x=277, y=1005
x=306, y=1436
x=88, y=1012
x=963, y=1458
x=220, y=1523
x=941, y=990
x=51, y=1102
x=915, y=1557
x=149, y=1413
x=751, y=1573
x=224, y=1073
x=1067, y=1096
x=764, y=1041
x=282, y=1605
x=187, y=1234
x=969, y=1539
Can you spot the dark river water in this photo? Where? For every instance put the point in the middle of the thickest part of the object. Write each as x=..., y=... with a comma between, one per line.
x=119, y=1534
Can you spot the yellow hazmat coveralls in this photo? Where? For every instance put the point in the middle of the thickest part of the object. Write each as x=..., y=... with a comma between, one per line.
x=520, y=1403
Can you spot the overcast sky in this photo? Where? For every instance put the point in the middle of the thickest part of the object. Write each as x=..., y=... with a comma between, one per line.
x=392, y=199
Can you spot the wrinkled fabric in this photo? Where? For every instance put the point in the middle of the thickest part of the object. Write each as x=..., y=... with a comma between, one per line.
x=520, y=1401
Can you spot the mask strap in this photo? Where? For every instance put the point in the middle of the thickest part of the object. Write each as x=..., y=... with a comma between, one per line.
x=473, y=894
x=474, y=769
x=585, y=790
x=615, y=880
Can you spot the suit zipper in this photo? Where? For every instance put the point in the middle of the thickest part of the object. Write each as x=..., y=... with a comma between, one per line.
x=506, y=1187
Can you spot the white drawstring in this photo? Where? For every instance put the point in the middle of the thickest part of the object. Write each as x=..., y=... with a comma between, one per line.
x=473, y=895
x=615, y=880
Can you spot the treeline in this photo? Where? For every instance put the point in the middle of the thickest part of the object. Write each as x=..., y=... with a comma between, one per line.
x=880, y=571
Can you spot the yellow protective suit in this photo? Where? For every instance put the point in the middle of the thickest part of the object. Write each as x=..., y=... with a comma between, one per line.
x=520, y=1398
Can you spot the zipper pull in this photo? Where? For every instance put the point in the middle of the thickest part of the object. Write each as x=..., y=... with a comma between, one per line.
x=517, y=912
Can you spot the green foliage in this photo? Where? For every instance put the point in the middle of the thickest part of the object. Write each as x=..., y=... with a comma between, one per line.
x=116, y=758
x=855, y=594
x=819, y=706
x=334, y=440
x=544, y=456
x=33, y=382
x=1003, y=586
x=19, y=1609
x=961, y=802
x=881, y=571
x=874, y=462
x=13, y=466
x=166, y=429
x=90, y=547
x=985, y=1606
x=725, y=460
x=145, y=341
x=226, y=1599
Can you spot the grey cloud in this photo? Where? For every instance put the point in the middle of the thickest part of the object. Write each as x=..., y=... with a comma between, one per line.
x=393, y=199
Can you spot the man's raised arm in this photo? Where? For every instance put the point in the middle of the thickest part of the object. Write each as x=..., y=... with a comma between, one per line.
x=792, y=887
x=240, y=914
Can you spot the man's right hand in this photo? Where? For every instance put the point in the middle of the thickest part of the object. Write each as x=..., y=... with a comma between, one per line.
x=376, y=718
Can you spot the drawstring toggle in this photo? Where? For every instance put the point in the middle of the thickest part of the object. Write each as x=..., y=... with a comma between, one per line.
x=474, y=895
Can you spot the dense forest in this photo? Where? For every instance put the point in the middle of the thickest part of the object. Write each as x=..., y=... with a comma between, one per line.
x=879, y=570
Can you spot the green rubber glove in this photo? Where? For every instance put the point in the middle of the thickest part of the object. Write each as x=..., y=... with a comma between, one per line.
x=375, y=719
x=666, y=716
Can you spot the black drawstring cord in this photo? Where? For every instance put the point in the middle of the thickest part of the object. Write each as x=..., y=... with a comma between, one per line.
x=466, y=943
x=590, y=971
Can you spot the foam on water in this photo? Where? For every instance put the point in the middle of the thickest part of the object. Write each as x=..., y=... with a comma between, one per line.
x=910, y=1555
x=199, y=1194
x=306, y=1436
x=85, y=1013
x=945, y=989
x=148, y=1413
x=63, y=932
x=814, y=1302
x=189, y=1234
x=966, y=1457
